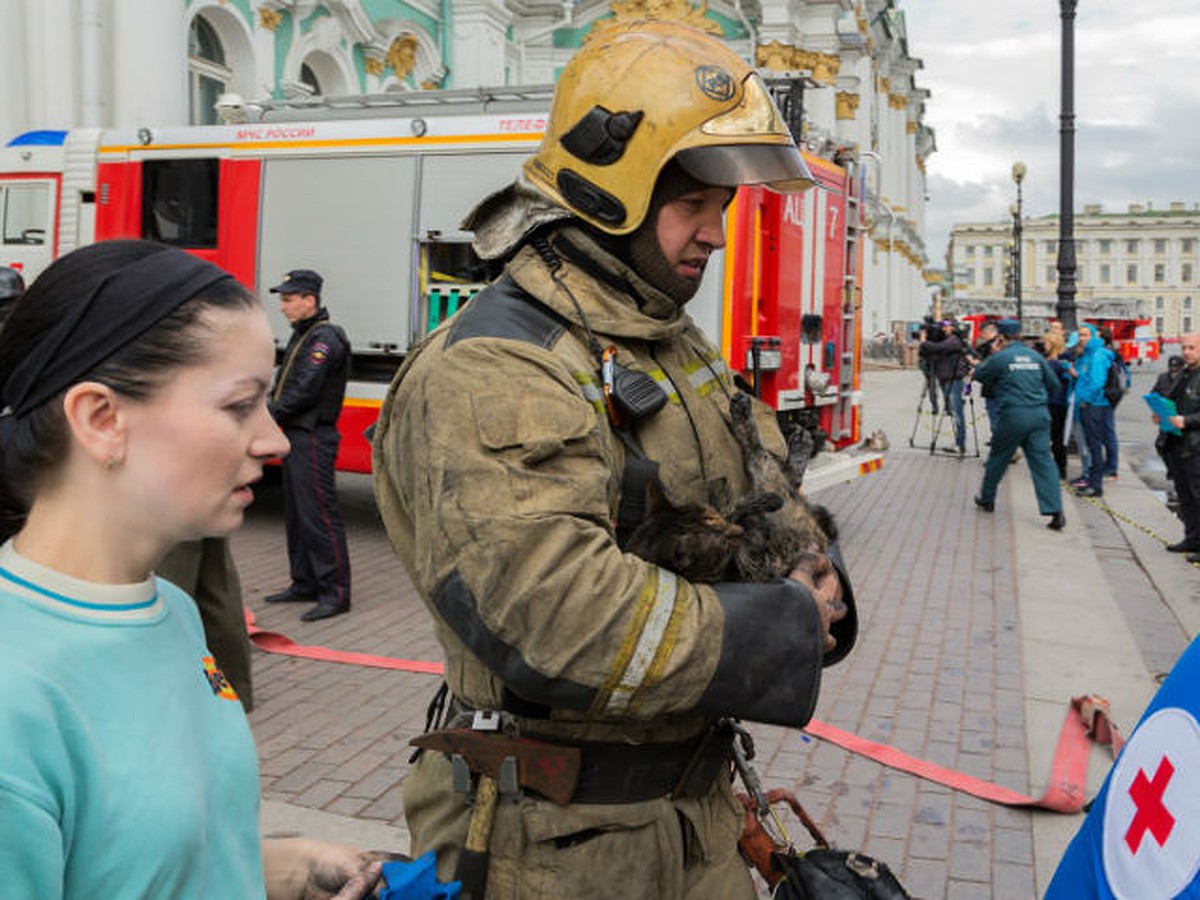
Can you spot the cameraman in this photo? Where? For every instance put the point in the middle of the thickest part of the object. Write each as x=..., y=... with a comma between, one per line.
x=929, y=331
x=948, y=360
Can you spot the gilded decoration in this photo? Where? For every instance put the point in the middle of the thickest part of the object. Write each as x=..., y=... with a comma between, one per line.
x=269, y=18
x=847, y=104
x=374, y=65
x=885, y=85
x=402, y=55
x=910, y=127
x=682, y=11
x=781, y=57
x=897, y=101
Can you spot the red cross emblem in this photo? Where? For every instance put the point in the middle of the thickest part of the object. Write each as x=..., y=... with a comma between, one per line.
x=1151, y=815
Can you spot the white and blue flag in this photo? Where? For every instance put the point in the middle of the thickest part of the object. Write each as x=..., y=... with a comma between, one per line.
x=1141, y=839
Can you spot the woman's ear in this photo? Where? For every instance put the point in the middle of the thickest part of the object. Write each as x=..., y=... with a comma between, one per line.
x=94, y=415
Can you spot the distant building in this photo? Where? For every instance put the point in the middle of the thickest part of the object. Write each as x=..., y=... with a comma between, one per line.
x=1145, y=261
x=134, y=63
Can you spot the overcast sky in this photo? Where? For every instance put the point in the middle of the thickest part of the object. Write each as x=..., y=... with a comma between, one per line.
x=993, y=67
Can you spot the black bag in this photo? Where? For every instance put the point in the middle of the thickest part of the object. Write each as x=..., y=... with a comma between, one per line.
x=1116, y=382
x=821, y=873
x=826, y=874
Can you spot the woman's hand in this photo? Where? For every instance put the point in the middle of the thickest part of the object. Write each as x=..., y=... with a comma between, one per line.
x=304, y=869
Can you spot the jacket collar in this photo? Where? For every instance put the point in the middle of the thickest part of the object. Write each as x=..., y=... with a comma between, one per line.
x=616, y=301
x=321, y=315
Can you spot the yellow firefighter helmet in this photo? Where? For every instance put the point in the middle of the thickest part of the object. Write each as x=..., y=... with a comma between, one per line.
x=640, y=95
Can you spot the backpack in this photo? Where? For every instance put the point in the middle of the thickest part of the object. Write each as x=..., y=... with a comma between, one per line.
x=1116, y=383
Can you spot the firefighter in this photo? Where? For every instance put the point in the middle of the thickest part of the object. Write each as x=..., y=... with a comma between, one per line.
x=515, y=444
x=306, y=400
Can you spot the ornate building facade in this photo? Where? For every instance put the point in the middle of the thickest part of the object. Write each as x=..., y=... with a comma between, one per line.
x=153, y=62
x=1143, y=262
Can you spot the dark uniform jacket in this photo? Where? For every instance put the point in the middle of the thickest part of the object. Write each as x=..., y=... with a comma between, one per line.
x=311, y=381
x=1186, y=394
x=1018, y=376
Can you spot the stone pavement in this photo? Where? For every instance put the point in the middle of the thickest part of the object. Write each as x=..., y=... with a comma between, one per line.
x=976, y=630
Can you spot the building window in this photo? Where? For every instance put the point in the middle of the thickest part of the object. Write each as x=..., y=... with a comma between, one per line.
x=1106, y=274
x=208, y=74
x=1160, y=246
x=1131, y=274
x=1160, y=273
x=988, y=251
x=988, y=277
x=1051, y=246
x=970, y=250
x=1159, y=304
x=1189, y=245
x=969, y=275
x=179, y=201
x=1186, y=274
x=309, y=78
x=1187, y=304
x=1051, y=274
x=1158, y=324
x=1106, y=245
x=1187, y=324
x=1131, y=246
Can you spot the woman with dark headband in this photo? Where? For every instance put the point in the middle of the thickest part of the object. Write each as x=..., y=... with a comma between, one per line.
x=133, y=416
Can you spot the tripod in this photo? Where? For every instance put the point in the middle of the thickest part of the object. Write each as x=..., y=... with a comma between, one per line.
x=920, y=413
x=948, y=414
x=968, y=398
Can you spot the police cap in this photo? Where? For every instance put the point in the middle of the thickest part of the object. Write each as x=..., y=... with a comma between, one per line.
x=1009, y=327
x=300, y=281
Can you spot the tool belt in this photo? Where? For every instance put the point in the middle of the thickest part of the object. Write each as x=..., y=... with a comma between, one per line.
x=633, y=773
x=615, y=772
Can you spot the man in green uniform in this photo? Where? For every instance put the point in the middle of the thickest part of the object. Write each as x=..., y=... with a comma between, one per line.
x=506, y=465
x=1020, y=381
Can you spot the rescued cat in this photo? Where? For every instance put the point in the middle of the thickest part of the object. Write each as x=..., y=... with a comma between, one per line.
x=767, y=534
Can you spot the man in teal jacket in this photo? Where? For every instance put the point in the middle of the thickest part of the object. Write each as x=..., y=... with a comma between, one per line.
x=1092, y=408
x=1020, y=381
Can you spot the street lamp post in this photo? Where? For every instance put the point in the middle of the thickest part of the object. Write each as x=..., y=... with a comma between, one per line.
x=1065, y=308
x=1018, y=174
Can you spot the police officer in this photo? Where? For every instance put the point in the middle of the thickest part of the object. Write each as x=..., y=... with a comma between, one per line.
x=12, y=286
x=1182, y=451
x=306, y=400
x=1021, y=382
x=509, y=441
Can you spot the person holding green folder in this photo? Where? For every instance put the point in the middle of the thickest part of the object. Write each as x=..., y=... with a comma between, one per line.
x=1182, y=451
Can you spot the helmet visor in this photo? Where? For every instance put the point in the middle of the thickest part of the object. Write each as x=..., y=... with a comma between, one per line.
x=778, y=166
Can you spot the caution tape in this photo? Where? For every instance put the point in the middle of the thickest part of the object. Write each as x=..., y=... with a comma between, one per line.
x=1133, y=523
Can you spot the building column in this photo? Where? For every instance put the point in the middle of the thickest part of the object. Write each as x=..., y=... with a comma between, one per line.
x=478, y=31
x=146, y=48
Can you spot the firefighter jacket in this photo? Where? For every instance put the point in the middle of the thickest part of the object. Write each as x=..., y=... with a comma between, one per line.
x=498, y=478
x=311, y=381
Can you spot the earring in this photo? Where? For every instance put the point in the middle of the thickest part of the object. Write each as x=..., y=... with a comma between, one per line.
x=111, y=463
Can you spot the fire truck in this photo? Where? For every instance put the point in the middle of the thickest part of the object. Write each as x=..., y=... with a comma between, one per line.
x=370, y=192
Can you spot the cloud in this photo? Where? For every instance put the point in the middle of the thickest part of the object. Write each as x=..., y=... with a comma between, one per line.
x=993, y=71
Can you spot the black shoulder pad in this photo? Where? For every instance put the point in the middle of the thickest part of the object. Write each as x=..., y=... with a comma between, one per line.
x=504, y=310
